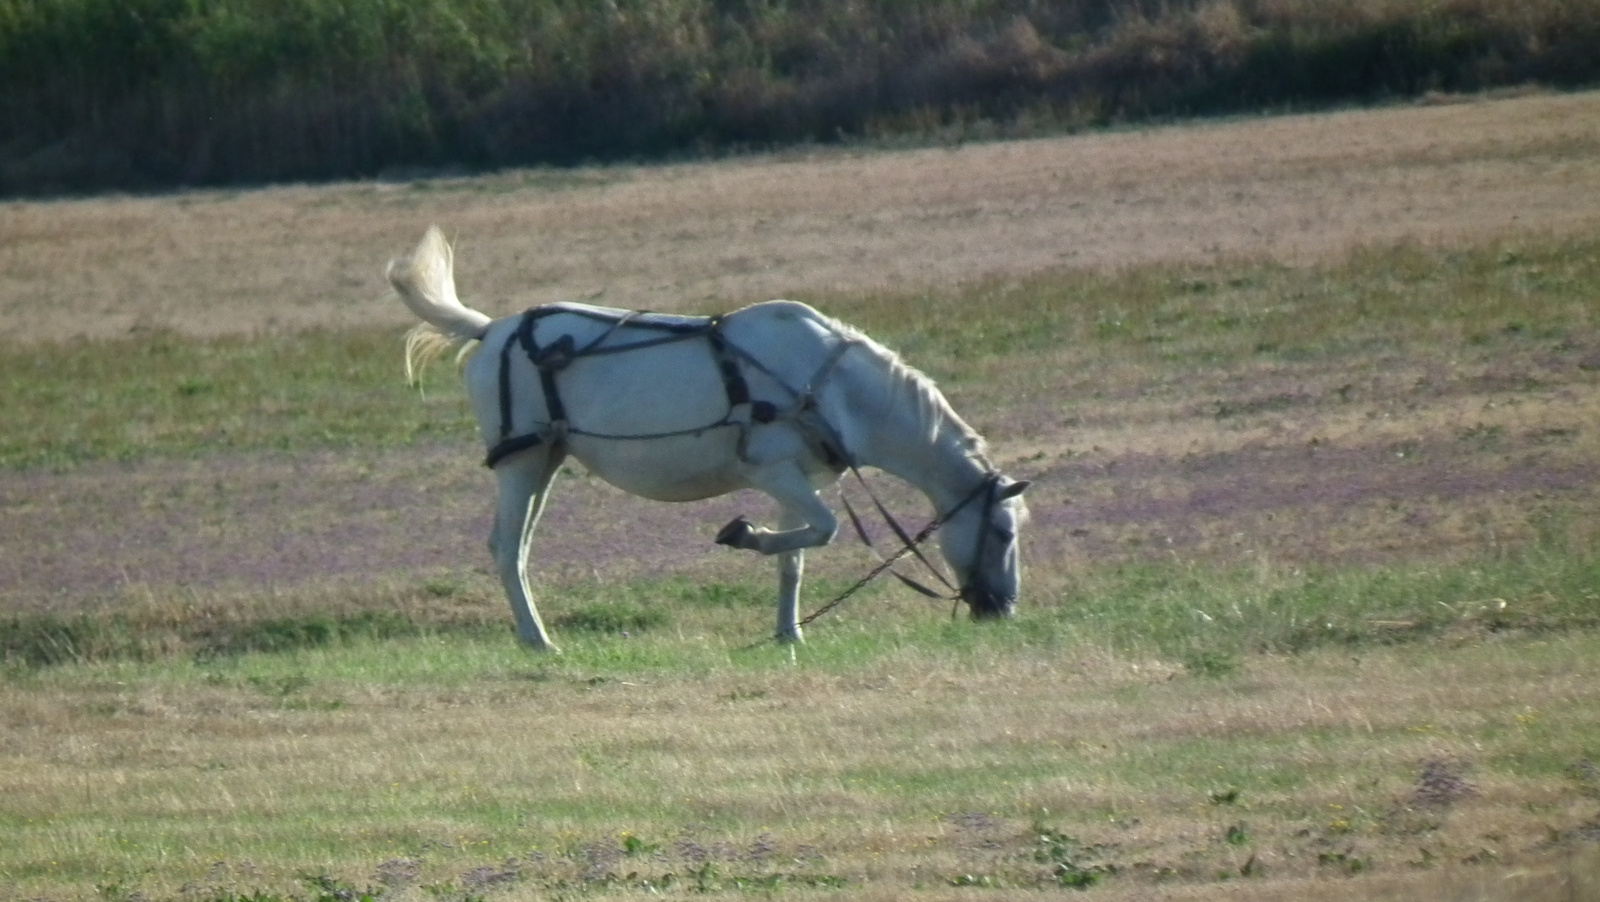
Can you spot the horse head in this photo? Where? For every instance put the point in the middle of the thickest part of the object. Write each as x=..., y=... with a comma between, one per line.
x=981, y=544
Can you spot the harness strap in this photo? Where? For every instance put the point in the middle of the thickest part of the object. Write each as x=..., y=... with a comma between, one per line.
x=509, y=446
x=548, y=362
x=733, y=381
x=559, y=354
x=505, y=395
x=523, y=337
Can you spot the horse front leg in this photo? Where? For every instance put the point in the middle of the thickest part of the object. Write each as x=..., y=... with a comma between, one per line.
x=523, y=482
x=786, y=483
x=804, y=522
x=791, y=569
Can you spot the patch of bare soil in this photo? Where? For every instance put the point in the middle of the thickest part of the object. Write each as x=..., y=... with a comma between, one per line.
x=1366, y=458
x=714, y=236
x=112, y=531
x=1372, y=460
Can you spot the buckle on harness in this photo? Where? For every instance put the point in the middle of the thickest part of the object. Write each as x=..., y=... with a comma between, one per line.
x=556, y=355
x=746, y=412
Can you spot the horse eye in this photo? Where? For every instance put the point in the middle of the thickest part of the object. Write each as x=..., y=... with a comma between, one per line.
x=1004, y=535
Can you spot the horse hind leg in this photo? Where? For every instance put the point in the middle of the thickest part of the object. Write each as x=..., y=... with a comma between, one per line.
x=523, y=488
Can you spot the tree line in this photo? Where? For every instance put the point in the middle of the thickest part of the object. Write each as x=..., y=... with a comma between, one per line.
x=155, y=94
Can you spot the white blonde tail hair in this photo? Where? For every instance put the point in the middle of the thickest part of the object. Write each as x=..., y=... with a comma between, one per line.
x=425, y=281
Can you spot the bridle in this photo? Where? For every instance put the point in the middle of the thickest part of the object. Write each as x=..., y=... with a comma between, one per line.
x=989, y=488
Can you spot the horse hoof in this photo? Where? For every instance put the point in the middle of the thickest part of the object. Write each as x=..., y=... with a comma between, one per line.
x=735, y=533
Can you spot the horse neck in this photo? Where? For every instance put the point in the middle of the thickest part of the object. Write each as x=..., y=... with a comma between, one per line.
x=939, y=459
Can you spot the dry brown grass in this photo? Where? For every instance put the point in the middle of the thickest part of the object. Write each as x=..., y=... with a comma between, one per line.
x=902, y=777
x=711, y=236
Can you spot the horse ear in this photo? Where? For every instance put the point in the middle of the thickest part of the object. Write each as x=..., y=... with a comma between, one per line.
x=1014, y=489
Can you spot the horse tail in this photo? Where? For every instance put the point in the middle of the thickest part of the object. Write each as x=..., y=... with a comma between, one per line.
x=426, y=282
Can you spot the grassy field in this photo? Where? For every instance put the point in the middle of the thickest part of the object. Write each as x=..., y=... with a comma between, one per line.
x=1161, y=725
x=896, y=756
x=1312, y=586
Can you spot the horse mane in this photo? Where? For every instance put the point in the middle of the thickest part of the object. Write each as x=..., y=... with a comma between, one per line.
x=913, y=386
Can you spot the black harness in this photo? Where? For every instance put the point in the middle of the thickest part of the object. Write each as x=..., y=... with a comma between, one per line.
x=550, y=359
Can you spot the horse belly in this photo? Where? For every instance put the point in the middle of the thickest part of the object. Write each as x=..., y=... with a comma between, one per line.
x=654, y=422
x=672, y=468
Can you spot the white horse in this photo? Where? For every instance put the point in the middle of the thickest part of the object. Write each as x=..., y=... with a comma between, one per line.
x=776, y=397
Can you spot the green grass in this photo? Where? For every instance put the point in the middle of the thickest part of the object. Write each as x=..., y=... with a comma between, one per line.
x=1217, y=315
x=1195, y=612
x=1109, y=736
x=859, y=758
x=1204, y=618
x=121, y=400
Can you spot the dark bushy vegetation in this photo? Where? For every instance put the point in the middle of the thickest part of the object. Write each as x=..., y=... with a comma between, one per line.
x=154, y=93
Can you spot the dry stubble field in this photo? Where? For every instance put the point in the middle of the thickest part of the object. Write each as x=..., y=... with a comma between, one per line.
x=707, y=236
x=1399, y=460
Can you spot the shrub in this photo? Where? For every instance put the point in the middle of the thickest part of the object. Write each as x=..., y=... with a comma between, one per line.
x=158, y=93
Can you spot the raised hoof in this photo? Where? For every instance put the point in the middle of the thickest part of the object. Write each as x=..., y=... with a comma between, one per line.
x=735, y=533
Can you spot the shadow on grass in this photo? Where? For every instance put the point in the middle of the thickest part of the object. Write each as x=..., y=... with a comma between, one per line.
x=45, y=640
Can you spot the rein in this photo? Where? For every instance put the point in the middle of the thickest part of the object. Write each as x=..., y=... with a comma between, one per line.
x=909, y=545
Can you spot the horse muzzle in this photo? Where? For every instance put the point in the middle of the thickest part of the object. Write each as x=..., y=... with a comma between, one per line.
x=986, y=605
